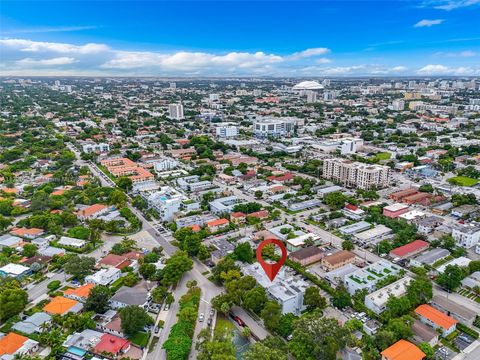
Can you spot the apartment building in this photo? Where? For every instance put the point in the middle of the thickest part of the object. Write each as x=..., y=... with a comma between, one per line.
x=355, y=174
x=367, y=277
x=167, y=202
x=337, y=260
x=275, y=127
x=175, y=111
x=226, y=131
x=466, y=235
x=91, y=147
x=436, y=319
x=224, y=205
x=193, y=183
x=377, y=300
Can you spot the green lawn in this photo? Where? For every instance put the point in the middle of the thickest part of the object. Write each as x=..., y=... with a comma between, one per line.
x=383, y=156
x=140, y=339
x=223, y=324
x=462, y=181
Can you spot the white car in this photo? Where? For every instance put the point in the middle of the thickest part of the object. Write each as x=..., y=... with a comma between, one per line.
x=201, y=317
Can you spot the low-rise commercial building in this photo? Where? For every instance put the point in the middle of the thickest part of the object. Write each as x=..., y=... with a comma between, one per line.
x=408, y=250
x=307, y=256
x=337, y=260
x=436, y=319
x=367, y=277
x=377, y=300
x=466, y=235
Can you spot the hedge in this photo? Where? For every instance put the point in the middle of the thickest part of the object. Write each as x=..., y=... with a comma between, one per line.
x=467, y=330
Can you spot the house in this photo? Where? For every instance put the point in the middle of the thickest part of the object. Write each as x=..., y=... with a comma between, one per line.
x=136, y=295
x=110, y=322
x=298, y=242
x=80, y=294
x=374, y=235
x=10, y=241
x=463, y=211
x=337, y=260
x=436, y=319
x=430, y=257
x=71, y=242
x=307, y=256
x=410, y=249
x=237, y=217
x=14, y=270
x=92, y=212
x=353, y=212
x=338, y=276
x=111, y=344
x=454, y=309
x=31, y=233
x=472, y=281
x=104, y=276
x=400, y=195
x=33, y=324
x=262, y=214
x=402, y=350
x=116, y=261
x=367, y=277
x=61, y=305
x=217, y=225
x=424, y=333
x=13, y=345
x=428, y=224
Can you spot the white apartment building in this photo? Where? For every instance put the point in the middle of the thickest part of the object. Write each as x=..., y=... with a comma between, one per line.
x=377, y=300
x=355, y=174
x=193, y=183
x=104, y=276
x=287, y=289
x=226, y=131
x=466, y=235
x=367, y=277
x=167, y=202
x=94, y=147
x=275, y=127
x=398, y=105
x=175, y=111
x=311, y=97
x=224, y=205
x=165, y=164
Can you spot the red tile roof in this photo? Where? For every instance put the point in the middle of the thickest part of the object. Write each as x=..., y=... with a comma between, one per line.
x=111, y=344
x=436, y=316
x=217, y=222
x=409, y=248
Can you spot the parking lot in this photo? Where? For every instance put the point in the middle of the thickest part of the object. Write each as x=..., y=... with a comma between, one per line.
x=463, y=341
x=444, y=353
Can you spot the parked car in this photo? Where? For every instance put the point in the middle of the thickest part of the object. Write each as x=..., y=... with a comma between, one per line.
x=209, y=321
x=157, y=329
x=201, y=317
x=167, y=307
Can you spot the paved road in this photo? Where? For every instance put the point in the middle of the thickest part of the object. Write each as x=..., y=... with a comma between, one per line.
x=257, y=329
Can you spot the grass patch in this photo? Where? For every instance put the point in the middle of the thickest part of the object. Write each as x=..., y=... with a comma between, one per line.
x=223, y=325
x=462, y=181
x=140, y=339
x=153, y=344
x=382, y=156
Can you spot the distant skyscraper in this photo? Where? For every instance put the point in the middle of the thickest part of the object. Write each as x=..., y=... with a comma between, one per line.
x=173, y=85
x=175, y=111
x=326, y=82
x=214, y=97
x=57, y=82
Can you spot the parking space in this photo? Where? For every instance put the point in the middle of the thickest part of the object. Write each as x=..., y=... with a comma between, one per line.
x=444, y=353
x=463, y=341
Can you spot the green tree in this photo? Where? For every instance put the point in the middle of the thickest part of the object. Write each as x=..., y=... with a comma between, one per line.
x=451, y=277
x=79, y=266
x=255, y=299
x=147, y=270
x=5, y=222
x=134, y=319
x=259, y=351
x=124, y=183
x=29, y=250
x=258, y=194
x=286, y=326
x=341, y=298
x=98, y=299
x=117, y=198
x=419, y=291
x=244, y=252
x=12, y=301
x=175, y=267
x=347, y=245
x=315, y=338
x=313, y=300
x=271, y=314
x=335, y=200
x=427, y=349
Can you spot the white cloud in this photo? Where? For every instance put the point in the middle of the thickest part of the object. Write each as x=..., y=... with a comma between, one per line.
x=445, y=70
x=465, y=53
x=47, y=62
x=49, y=29
x=309, y=53
x=41, y=46
x=323, y=61
x=398, y=69
x=428, y=23
x=452, y=4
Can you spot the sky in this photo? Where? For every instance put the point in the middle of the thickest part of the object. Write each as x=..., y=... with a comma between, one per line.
x=240, y=38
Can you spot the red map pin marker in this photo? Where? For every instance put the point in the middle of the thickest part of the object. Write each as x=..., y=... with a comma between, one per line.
x=271, y=269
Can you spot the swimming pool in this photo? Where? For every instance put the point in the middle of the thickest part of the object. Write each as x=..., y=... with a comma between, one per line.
x=76, y=351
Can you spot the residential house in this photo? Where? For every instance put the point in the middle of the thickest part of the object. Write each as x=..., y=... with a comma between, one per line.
x=136, y=295
x=14, y=270
x=80, y=294
x=466, y=235
x=33, y=324
x=436, y=319
x=402, y=350
x=377, y=300
x=61, y=305
x=337, y=260
x=104, y=276
x=217, y=225
x=93, y=211
x=307, y=256
x=14, y=345
x=410, y=249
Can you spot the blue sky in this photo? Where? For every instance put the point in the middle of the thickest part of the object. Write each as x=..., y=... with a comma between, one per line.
x=224, y=38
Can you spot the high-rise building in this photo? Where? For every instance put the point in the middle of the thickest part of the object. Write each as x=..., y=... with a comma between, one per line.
x=173, y=85
x=398, y=105
x=326, y=82
x=175, y=111
x=355, y=174
x=311, y=97
x=226, y=131
x=214, y=97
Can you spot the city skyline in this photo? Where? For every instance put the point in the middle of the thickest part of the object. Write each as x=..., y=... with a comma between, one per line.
x=264, y=38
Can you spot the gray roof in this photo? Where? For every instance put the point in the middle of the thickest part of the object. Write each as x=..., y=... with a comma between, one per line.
x=32, y=324
x=136, y=295
x=429, y=257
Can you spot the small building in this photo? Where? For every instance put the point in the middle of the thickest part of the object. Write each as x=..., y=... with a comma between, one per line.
x=72, y=242
x=33, y=324
x=436, y=319
x=428, y=224
x=238, y=217
x=61, y=305
x=355, y=228
x=373, y=235
x=80, y=294
x=395, y=210
x=111, y=344
x=14, y=270
x=307, y=256
x=377, y=300
x=424, y=333
x=217, y=225
x=13, y=345
x=402, y=350
x=136, y=295
x=410, y=249
x=104, y=276
x=337, y=260
x=430, y=257
x=92, y=212
x=31, y=233
x=454, y=309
